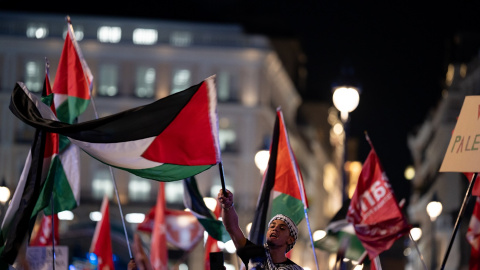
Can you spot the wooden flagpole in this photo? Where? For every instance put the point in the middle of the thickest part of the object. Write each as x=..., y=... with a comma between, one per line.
x=418, y=250
x=459, y=217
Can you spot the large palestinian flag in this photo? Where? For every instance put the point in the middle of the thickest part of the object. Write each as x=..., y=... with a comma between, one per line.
x=170, y=139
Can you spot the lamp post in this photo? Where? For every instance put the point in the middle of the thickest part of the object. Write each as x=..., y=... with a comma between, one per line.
x=346, y=99
x=434, y=209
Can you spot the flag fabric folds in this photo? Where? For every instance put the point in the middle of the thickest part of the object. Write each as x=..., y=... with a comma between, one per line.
x=374, y=211
x=44, y=233
x=337, y=231
x=63, y=174
x=102, y=241
x=473, y=236
x=193, y=200
x=283, y=177
x=158, y=246
x=20, y=215
x=170, y=139
x=211, y=245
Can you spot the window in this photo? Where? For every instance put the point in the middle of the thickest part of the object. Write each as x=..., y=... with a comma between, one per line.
x=108, y=80
x=181, y=80
x=139, y=188
x=145, y=36
x=37, y=31
x=102, y=184
x=109, y=34
x=34, y=75
x=181, y=39
x=174, y=192
x=145, y=82
x=227, y=135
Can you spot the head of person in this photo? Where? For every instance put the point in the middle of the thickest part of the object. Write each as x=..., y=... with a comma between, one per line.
x=283, y=223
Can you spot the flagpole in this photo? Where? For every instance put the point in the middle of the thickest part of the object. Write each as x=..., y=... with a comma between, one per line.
x=418, y=250
x=47, y=69
x=115, y=186
x=459, y=217
x=222, y=178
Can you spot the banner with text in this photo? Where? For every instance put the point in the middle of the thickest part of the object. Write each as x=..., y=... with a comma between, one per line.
x=463, y=152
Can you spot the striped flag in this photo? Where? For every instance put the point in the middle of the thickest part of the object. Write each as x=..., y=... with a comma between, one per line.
x=284, y=178
x=20, y=215
x=170, y=139
x=193, y=200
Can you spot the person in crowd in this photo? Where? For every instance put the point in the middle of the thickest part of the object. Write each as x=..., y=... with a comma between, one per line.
x=282, y=233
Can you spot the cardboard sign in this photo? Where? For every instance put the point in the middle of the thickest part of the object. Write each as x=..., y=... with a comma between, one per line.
x=40, y=258
x=463, y=152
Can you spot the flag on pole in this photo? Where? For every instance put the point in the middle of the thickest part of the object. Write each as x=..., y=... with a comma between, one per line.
x=43, y=234
x=337, y=230
x=102, y=241
x=182, y=228
x=193, y=201
x=158, y=246
x=72, y=81
x=63, y=177
x=283, y=177
x=211, y=245
x=374, y=211
x=170, y=139
x=473, y=236
x=20, y=215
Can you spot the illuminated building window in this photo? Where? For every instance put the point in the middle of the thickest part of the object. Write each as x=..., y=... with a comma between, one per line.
x=37, y=31
x=174, y=192
x=145, y=36
x=181, y=80
x=109, y=34
x=102, y=184
x=145, y=82
x=181, y=39
x=108, y=80
x=77, y=30
x=139, y=189
x=227, y=135
x=34, y=75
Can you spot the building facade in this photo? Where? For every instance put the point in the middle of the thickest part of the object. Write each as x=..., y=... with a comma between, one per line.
x=135, y=62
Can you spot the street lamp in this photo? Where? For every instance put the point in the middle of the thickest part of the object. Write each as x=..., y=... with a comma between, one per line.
x=4, y=197
x=346, y=99
x=434, y=209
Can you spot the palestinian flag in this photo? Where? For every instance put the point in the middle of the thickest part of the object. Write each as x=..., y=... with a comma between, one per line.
x=21, y=213
x=72, y=81
x=170, y=139
x=338, y=231
x=284, y=178
x=193, y=200
x=63, y=178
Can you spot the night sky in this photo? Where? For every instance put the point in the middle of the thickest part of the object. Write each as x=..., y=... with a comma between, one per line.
x=399, y=51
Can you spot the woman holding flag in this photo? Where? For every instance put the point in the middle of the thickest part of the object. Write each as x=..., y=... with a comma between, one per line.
x=281, y=236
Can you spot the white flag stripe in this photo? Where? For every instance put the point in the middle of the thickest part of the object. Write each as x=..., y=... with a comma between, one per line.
x=123, y=154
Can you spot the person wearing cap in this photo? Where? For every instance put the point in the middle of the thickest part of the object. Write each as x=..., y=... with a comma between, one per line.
x=281, y=236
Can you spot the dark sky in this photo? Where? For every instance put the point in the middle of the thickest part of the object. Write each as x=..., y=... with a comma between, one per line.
x=399, y=51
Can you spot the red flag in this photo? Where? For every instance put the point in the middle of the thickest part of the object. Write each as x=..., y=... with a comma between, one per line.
x=212, y=244
x=158, y=247
x=102, y=242
x=476, y=185
x=43, y=235
x=473, y=237
x=374, y=211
